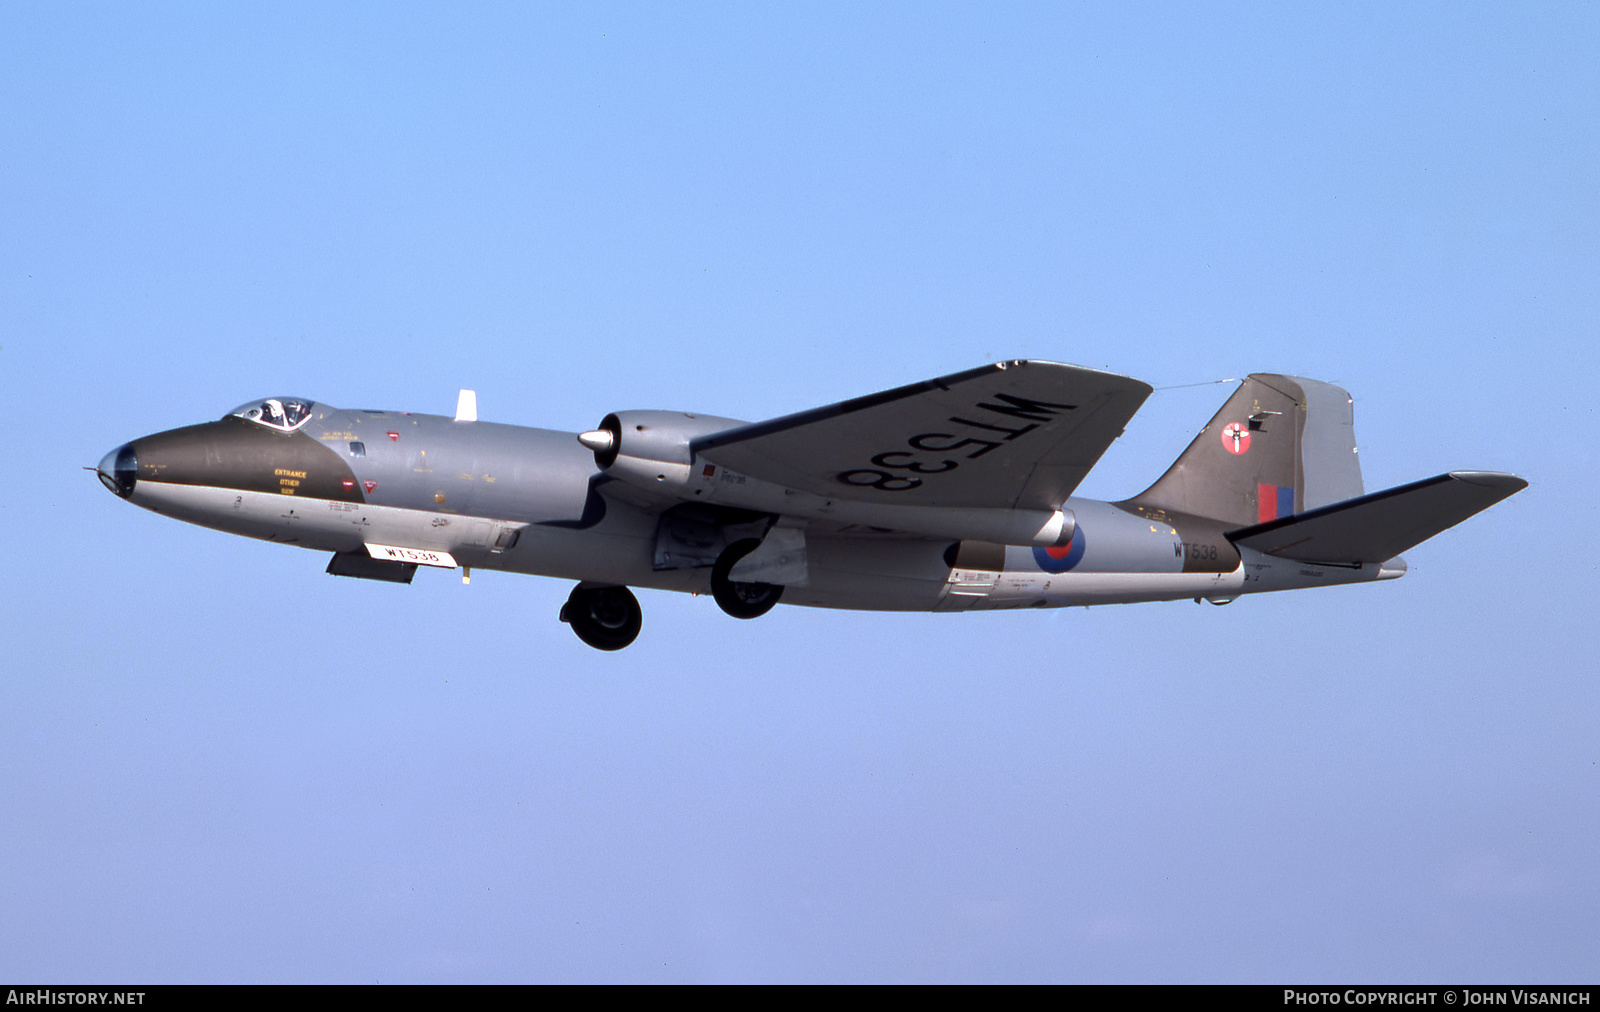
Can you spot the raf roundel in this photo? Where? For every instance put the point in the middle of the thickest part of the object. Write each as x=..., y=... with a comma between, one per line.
x=1061, y=558
x=1235, y=438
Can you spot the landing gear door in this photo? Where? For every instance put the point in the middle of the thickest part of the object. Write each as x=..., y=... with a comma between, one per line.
x=781, y=560
x=687, y=542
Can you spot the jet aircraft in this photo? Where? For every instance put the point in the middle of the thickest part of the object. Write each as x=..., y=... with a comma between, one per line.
x=955, y=494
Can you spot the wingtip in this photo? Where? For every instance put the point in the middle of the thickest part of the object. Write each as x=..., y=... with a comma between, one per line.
x=1510, y=484
x=1133, y=383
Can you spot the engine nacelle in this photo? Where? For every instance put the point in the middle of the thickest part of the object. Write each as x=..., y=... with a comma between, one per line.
x=650, y=448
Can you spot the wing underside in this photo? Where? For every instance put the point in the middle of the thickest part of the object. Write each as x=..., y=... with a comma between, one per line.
x=1013, y=435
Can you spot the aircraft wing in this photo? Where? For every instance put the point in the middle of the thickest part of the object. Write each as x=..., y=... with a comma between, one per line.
x=1018, y=435
x=1377, y=527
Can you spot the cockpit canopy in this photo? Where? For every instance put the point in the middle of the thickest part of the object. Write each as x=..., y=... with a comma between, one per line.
x=282, y=413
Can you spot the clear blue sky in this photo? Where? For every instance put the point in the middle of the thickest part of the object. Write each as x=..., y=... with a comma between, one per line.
x=219, y=764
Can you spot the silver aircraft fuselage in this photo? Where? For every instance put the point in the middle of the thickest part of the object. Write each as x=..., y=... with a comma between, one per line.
x=954, y=494
x=525, y=500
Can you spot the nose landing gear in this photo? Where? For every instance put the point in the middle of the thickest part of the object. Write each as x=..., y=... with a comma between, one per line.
x=606, y=618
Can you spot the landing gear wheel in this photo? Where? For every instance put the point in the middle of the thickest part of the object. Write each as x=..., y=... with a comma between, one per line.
x=606, y=618
x=741, y=600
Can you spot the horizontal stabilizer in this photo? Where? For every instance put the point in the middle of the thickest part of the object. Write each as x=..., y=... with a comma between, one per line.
x=1377, y=527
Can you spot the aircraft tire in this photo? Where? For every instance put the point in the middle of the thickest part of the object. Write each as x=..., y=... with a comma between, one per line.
x=741, y=600
x=606, y=618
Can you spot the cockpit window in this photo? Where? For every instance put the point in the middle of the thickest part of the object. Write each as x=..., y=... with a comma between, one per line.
x=282, y=413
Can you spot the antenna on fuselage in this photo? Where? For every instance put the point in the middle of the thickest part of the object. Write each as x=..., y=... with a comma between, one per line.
x=467, y=406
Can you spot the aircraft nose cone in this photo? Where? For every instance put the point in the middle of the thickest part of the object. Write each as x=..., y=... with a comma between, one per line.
x=119, y=470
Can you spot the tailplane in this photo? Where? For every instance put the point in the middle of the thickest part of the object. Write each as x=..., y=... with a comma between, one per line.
x=1378, y=527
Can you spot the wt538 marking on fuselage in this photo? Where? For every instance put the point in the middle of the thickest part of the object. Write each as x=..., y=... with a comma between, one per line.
x=951, y=495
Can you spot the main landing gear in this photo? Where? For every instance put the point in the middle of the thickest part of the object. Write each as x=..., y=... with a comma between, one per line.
x=741, y=600
x=606, y=618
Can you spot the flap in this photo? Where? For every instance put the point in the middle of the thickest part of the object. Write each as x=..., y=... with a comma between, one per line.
x=1018, y=434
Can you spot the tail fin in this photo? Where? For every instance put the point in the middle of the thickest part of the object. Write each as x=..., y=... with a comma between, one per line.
x=1280, y=445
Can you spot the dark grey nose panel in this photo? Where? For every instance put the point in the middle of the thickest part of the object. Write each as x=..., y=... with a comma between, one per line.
x=119, y=470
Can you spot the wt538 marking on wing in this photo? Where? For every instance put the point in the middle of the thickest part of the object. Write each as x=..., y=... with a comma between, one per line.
x=1026, y=408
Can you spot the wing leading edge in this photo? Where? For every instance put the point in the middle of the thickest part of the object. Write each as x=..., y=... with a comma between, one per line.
x=1014, y=435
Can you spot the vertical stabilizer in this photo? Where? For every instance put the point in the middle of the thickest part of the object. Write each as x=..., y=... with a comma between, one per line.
x=1280, y=445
